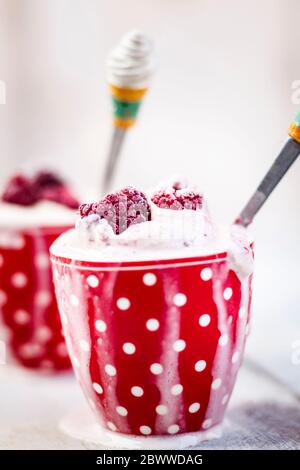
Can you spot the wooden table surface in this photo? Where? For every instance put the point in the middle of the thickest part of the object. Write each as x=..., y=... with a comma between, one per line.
x=262, y=414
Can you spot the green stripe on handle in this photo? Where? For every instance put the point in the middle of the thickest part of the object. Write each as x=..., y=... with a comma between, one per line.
x=125, y=109
x=297, y=119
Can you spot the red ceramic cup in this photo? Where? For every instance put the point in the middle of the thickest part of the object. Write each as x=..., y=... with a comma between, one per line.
x=27, y=301
x=156, y=345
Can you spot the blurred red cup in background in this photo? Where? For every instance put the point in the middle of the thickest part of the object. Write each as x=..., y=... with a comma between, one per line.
x=27, y=302
x=155, y=345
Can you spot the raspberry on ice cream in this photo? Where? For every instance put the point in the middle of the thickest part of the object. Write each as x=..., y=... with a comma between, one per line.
x=61, y=195
x=46, y=179
x=121, y=209
x=44, y=185
x=177, y=199
x=20, y=191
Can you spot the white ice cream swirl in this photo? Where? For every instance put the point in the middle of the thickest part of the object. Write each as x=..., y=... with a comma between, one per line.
x=131, y=63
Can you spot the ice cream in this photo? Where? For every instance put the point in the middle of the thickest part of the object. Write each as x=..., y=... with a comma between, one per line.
x=44, y=213
x=165, y=232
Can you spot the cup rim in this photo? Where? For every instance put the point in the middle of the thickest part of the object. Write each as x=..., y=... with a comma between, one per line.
x=59, y=257
x=136, y=265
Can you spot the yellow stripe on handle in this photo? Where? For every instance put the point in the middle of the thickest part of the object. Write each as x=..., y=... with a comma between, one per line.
x=294, y=132
x=294, y=129
x=127, y=94
x=124, y=123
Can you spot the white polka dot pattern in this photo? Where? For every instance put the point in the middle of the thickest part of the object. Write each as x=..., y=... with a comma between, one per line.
x=149, y=279
x=194, y=407
x=204, y=320
x=19, y=280
x=146, y=430
x=111, y=426
x=137, y=391
x=216, y=384
x=179, y=300
x=207, y=424
x=97, y=387
x=43, y=298
x=61, y=350
x=227, y=294
x=42, y=261
x=223, y=340
x=129, y=348
x=123, y=303
x=30, y=350
x=161, y=410
x=92, y=281
x=156, y=368
x=177, y=389
x=152, y=324
x=43, y=334
x=206, y=274
x=21, y=317
x=110, y=370
x=173, y=429
x=179, y=345
x=100, y=326
x=200, y=365
x=121, y=410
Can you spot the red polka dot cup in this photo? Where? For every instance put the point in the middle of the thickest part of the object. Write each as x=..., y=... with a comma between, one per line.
x=155, y=345
x=28, y=306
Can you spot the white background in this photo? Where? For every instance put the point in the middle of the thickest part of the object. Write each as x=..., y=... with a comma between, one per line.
x=217, y=111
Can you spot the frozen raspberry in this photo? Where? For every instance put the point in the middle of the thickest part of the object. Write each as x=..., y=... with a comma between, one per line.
x=121, y=209
x=46, y=179
x=48, y=186
x=19, y=190
x=178, y=199
x=61, y=195
x=86, y=209
x=44, y=186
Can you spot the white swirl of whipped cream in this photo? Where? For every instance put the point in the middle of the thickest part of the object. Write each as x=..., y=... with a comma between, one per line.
x=131, y=63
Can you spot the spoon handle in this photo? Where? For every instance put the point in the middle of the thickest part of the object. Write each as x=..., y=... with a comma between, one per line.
x=113, y=157
x=285, y=159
